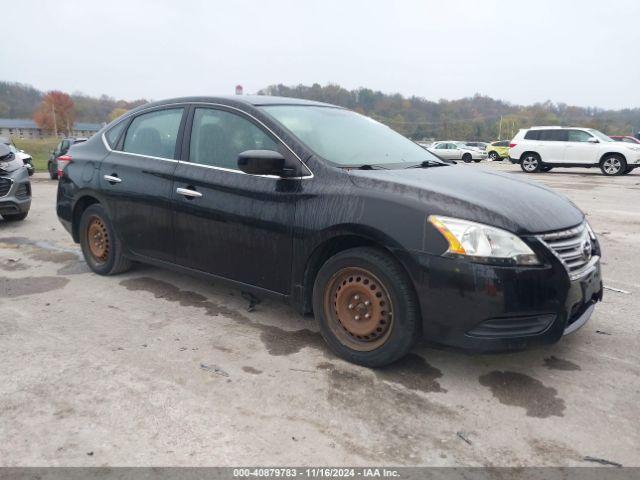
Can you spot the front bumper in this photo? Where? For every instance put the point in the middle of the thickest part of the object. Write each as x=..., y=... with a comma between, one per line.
x=17, y=198
x=489, y=308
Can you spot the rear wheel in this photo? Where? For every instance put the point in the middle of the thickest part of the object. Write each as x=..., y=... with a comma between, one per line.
x=100, y=246
x=545, y=168
x=366, y=307
x=531, y=163
x=466, y=158
x=628, y=171
x=494, y=156
x=612, y=165
x=53, y=173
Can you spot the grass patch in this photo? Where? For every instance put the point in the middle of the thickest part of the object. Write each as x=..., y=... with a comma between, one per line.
x=39, y=149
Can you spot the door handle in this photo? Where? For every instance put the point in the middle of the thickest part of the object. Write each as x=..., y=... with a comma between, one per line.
x=187, y=192
x=112, y=179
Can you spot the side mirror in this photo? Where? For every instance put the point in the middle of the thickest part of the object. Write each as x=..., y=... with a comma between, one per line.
x=593, y=140
x=263, y=162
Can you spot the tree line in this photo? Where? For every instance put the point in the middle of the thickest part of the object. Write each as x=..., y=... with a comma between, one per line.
x=56, y=110
x=473, y=118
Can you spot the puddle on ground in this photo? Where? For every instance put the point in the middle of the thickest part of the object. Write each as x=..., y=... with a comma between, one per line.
x=283, y=342
x=12, y=265
x=555, y=363
x=412, y=372
x=17, y=287
x=519, y=390
x=186, y=298
x=42, y=251
x=383, y=408
x=276, y=340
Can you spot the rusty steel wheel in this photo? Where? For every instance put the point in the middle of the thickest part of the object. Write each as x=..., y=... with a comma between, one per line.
x=98, y=240
x=358, y=309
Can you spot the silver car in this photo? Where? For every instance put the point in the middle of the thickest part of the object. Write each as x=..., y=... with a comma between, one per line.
x=452, y=150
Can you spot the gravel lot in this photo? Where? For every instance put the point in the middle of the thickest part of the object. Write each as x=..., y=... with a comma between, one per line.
x=157, y=368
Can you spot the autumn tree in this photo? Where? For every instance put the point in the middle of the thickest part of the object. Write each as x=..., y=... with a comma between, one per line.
x=56, y=113
x=117, y=112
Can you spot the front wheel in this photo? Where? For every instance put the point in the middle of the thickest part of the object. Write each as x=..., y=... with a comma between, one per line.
x=612, y=165
x=100, y=246
x=366, y=307
x=530, y=163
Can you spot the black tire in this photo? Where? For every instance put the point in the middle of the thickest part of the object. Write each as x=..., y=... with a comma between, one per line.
x=112, y=261
x=628, y=171
x=494, y=156
x=545, y=168
x=399, y=327
x=15, y=217
x=530, y=163
x=53, y=174
x=466, y=158
x=613, y=165
x=477, y=160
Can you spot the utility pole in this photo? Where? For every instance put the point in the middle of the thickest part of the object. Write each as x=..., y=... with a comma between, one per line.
x=500, y=129
x=55, y=125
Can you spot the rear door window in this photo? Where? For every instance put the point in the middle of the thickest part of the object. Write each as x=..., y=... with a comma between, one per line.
x=553, y=135
x=154, y=134
x=532, y=135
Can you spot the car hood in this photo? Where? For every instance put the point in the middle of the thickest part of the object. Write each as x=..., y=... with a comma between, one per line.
x=492, y=198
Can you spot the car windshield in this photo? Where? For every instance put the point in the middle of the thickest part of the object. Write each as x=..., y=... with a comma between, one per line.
x=600, y=136
x=346, y=138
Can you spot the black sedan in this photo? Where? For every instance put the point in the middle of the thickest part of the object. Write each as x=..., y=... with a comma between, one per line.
x=338, y=215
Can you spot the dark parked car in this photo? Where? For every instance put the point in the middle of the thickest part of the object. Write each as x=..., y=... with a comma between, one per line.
x=60, y=151
x=338, y=215
x=15, y=188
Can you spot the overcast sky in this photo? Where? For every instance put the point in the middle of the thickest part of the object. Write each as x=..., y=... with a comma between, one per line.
x=578, y=52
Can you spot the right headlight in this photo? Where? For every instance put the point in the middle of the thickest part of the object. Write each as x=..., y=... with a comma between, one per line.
x=482, y=243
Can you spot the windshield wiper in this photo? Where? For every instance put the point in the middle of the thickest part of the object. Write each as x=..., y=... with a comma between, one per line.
x=427, y=164
x=367, y=166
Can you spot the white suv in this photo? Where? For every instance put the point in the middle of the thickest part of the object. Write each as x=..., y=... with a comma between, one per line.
x=539, y=149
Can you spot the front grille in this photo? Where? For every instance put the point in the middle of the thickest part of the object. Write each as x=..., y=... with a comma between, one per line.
x=573, y=247
x=5, y=186
x=23, y=191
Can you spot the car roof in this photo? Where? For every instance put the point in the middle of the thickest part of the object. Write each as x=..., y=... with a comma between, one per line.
x=556, y=127
x=250, y=100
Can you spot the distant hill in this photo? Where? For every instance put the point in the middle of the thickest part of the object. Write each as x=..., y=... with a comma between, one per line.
x=472, y=118
x=21, y=101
